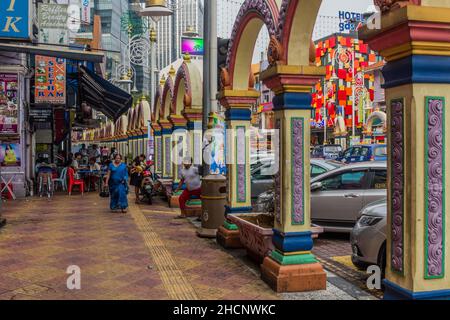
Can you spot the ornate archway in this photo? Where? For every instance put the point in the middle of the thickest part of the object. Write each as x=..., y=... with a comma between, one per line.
x=166, y=125
x=238, y=95
x=157, y=129
x=186, y=115
x=413, y=36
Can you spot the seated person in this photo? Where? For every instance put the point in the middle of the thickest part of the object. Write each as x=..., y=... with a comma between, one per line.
x=93, y=165
x=190, y=177
x=76, y=162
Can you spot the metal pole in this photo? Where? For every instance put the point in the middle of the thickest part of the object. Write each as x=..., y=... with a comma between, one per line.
x=206, y=62
x=174, y=30
x=213, y=53
x=325, y=89
x=353, y=91
x=206, y=79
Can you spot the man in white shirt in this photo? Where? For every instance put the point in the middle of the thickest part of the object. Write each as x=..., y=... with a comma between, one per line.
x=191, y=178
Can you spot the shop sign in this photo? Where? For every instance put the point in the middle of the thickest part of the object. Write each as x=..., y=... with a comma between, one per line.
x=52, y=20
x=86, y=11
x=41, y=115
x=50, y=80
x=15, y=19
x=9, y=105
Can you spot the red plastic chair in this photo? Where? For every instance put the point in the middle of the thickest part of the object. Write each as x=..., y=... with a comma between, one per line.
x=74, y=182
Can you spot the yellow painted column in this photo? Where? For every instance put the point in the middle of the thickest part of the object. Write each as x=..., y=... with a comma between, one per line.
x=291, y=267
x=414, y=42
x=179, y=148
x=166, y=141
x=237, y=119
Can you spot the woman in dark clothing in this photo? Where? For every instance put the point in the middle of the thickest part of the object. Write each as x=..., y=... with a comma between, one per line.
x=137, y=176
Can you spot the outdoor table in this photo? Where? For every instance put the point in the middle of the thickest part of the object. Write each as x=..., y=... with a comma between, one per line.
x=87, y=174
x=6, y=183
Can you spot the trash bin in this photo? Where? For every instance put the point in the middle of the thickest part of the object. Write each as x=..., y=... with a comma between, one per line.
x=214, y=197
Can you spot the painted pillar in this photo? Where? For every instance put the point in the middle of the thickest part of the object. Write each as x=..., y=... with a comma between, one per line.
x=195, y=135
x=414, y=40
x=179, y=146
x=292, y=267
x=237, y=118
x=158, y=158
x=166, y=131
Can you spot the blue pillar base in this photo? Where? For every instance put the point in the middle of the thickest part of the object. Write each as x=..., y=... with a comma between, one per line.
x=292, y=241
x=395, y=292
x=229, y=210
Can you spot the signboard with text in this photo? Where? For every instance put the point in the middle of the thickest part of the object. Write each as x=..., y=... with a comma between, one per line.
x=86, y=11
x=50, y=80
x=9, y=105
x=53, y=23
x=15, y=19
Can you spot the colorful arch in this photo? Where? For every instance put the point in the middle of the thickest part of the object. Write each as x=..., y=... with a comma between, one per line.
x=188, y=89
x=166, y=101
x=296, y=25
x=252, y=16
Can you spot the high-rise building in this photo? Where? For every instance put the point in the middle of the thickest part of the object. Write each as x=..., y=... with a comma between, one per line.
x=325, y=26
x=187, y=17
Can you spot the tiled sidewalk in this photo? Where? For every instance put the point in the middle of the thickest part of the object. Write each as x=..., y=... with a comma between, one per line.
x=145, y=254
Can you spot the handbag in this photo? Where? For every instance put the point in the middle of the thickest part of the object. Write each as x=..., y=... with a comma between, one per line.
x=104, y=192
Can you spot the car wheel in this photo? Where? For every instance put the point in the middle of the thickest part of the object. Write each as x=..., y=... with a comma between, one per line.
x=358, y=264
x=382, y=259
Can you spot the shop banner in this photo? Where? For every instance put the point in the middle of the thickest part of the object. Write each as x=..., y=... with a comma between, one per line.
x=15, y=19
x=9, y=107
x=50, y=80
x=52, y=20
x=86, y=11
x=10, y=155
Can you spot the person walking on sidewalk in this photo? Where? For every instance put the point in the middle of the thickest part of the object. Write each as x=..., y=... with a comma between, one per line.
x=117, y=180
x=190, y=177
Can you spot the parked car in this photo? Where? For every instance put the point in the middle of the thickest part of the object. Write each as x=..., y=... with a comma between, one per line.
x=262, y=173
x=338, y=196
x=363, y=153
x=321, y=166
x=330, y=151
x=368, y=237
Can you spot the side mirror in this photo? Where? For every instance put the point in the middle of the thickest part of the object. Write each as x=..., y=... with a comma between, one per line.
x=316, y=186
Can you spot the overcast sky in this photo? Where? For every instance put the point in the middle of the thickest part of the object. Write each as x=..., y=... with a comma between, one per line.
x=332, y=7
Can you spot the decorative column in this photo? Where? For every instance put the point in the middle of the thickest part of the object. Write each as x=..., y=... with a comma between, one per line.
x=195, y=134
x=237, y=118
x=166, y=137
x=158, y=159
x=291, y=267
x=414, y=40
x=179, y=146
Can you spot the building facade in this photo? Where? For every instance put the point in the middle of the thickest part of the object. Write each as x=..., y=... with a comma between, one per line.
x=187, y=17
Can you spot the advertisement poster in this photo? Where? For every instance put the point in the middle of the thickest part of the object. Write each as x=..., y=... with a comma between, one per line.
x=15, y=19
x=52, y=20
x=9, y=107
x=50, y=80
x=10, y=154
x=193, y=46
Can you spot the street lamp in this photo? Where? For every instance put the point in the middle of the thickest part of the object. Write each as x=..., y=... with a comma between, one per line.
x=155, y=9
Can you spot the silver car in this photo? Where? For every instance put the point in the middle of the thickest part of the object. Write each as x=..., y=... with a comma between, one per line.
x=263, y=172
x=368, y=237
x=338, y=196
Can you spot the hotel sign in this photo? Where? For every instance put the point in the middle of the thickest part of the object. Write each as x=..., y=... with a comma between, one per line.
x=15, y=19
